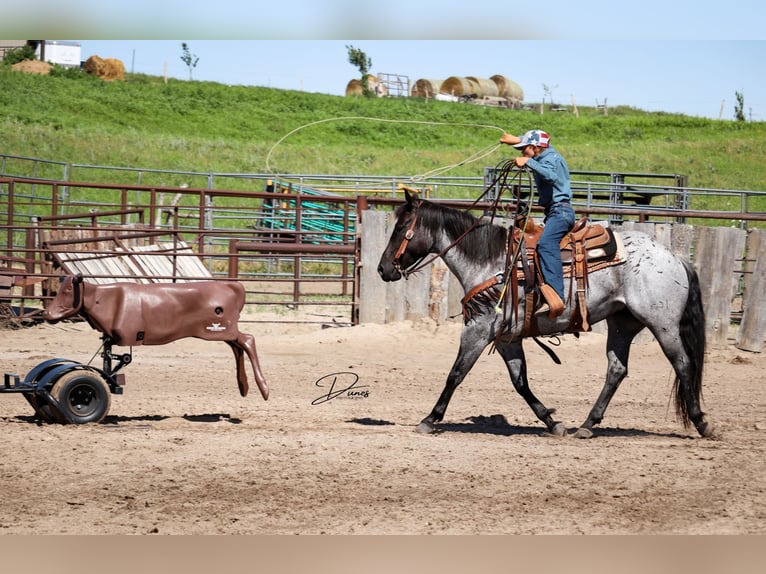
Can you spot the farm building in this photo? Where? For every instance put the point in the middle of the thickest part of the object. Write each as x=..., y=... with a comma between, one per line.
x=53, y=51
x=8, y=45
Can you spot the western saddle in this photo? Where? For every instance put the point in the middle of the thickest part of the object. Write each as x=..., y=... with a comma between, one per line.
x=586, y=248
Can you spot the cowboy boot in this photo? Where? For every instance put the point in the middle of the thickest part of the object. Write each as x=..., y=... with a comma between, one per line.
x=552, y=303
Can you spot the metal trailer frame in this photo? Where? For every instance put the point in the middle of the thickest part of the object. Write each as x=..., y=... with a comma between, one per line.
x=69, y=392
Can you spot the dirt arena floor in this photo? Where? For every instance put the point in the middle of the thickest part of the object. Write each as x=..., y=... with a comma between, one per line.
x=182, y=453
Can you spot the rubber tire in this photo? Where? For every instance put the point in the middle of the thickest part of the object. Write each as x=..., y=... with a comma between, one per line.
x=85, y=397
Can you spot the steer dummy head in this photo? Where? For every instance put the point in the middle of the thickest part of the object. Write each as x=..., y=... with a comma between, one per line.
x=68, y=300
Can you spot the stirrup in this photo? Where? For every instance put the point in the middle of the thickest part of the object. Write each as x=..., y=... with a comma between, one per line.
x=543, y=309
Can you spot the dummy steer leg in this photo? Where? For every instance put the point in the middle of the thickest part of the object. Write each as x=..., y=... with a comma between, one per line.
x=245, y=343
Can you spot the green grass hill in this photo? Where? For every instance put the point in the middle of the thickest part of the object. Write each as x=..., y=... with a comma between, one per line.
x=145, y=122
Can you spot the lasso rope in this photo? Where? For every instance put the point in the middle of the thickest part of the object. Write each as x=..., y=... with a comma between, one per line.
x=502, y=179
x=472, y=158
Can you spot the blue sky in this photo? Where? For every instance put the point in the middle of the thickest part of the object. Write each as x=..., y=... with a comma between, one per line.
x=686, y=56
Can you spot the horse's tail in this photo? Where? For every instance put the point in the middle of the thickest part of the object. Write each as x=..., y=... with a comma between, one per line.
x=692, y=329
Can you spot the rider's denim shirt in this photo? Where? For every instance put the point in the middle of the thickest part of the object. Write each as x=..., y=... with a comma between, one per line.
x=551, y=175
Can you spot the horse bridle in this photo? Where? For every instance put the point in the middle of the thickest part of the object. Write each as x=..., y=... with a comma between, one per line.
x=403, y=247
x=420, y=263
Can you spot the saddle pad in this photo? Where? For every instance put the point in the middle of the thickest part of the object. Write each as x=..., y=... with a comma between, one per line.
x=600, y=257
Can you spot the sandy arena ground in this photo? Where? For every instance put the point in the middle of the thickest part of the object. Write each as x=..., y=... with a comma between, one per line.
x=182, y=453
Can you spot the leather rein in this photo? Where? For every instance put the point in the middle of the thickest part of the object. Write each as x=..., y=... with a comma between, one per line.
x=421, y=263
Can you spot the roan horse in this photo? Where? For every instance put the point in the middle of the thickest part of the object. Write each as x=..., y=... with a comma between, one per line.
x=649, y=288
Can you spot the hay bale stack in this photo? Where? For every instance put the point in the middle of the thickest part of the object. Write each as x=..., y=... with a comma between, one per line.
x=486, y=87
x=354, y=87
x=508, y=89
x=107, y=69
x=459, y=86
x=425, y=88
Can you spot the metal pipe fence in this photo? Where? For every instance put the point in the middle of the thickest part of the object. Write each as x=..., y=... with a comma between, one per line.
x=266, y=235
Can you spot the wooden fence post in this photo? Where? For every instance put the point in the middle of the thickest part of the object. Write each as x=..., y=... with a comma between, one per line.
x=416, y=298
x=372, y=289
x=752, y=329
x=717, y=258
x=681, y=240
x=438, y=303
x=417, y=294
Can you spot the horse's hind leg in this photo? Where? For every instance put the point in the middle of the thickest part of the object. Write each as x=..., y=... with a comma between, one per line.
x=688, y=381
x=623, y=328
x=515, y=361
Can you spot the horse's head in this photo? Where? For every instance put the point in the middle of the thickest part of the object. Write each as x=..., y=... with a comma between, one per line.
x=409, y=242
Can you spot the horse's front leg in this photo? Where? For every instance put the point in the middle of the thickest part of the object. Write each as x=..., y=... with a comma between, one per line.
x=472, y=342
x=516, y=362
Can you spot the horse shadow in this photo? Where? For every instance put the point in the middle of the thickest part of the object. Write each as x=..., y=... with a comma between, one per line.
x=115, y=420
x=498, y=425
x=201, y=418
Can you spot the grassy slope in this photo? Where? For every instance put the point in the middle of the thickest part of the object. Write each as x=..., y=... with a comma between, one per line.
x=204, y=126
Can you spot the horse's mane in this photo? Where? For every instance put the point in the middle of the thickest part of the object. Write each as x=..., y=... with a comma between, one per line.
x=485, y=242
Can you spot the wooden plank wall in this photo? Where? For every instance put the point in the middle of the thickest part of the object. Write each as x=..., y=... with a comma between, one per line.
x=719, y=255
x=718, y=259
x=137, y=264
x=752, y=329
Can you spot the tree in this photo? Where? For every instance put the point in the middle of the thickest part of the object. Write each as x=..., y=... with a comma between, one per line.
x=548, y=90
x=739, y=107
x=359, y=59
x=17, y=55
x=188, y=58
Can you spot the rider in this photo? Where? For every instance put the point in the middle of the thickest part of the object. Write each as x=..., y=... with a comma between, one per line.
x=555, y=195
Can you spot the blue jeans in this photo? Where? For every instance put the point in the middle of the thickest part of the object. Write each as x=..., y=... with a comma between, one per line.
x=559, y=219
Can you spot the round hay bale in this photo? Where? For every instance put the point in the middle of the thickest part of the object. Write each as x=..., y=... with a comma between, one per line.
x=459, y=86
x=94, y=65
x=485, y=86
x=114, y=69
x=354, y=87
x=107, y=69
x=425, y=88
x=32, y=67
x=508, y=89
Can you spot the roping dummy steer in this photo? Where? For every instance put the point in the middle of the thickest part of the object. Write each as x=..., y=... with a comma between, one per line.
x=132, y=314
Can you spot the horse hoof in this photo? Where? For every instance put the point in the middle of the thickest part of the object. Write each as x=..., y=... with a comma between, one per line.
x=705, y=429
x=425, y=428
x=558, y=430
x=582, y=432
